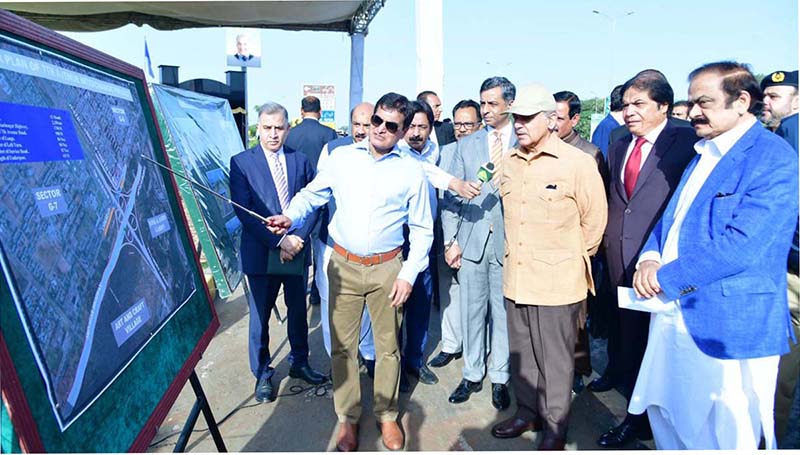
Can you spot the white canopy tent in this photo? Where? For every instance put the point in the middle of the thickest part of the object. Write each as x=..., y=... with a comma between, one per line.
x=351, y=16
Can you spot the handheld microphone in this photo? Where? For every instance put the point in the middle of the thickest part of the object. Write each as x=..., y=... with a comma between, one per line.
x=486, y=172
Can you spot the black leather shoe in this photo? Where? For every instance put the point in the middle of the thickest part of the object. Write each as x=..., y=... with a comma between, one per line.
x=307, y=374
x=621, y=435
x=443, y=358
x=424, y=374
x=602, y=384
x=464, y=390
x=515, y=426
x=500, y=397
x=577, y=384
x=264, y=390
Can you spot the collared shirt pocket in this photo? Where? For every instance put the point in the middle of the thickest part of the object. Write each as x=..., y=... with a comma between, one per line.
x=556, y=202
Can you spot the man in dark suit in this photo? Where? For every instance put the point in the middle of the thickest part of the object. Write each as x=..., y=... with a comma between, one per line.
x=443, y=132
x=264, y=179
x=308, y=138
x=645, y=168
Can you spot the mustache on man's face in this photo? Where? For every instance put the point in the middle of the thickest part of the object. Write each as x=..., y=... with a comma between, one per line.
x=415, y=139
x=699, y=121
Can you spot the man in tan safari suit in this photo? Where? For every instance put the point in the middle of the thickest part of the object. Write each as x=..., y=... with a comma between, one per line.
x=555, y=213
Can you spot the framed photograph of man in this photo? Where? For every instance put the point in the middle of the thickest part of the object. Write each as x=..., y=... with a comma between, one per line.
x=243, y=48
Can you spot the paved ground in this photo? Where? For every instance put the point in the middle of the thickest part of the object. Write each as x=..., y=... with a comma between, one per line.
x=430, y=422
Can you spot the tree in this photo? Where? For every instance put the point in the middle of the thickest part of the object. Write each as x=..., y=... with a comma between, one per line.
x=588, y=107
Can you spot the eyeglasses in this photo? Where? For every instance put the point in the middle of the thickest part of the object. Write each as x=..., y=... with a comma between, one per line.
x=377, y=121
x=467, y=125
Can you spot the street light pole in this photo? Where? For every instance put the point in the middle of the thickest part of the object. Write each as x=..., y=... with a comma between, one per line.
x=613, y=21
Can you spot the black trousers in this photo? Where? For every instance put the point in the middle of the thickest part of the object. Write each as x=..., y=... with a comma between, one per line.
x=264, y=289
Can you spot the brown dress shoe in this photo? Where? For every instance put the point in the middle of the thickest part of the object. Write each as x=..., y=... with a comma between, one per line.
x=391, y=435
x=551, y=443
x=515, y=426
x=347, y=441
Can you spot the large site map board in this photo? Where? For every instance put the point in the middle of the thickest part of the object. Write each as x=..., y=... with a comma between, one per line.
x=104, y=311
x=200, y=137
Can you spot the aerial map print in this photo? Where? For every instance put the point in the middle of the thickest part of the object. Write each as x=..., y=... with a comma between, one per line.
x=88, y=243
x=200, y=136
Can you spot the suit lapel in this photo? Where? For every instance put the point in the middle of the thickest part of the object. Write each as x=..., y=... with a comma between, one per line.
x=663, y=143
x=291, y=171
x=725, y=167
x=619, y=149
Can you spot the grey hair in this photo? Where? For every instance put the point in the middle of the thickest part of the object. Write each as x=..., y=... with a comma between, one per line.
x=270, y=108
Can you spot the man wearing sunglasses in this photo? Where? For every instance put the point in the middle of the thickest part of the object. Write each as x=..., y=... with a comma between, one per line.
x=377, y=190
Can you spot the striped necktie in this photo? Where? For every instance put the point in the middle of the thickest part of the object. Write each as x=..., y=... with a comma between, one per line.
x=280, y=181
x=496, y=156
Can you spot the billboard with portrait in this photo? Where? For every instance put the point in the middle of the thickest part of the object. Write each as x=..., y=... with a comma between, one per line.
x=243, y=48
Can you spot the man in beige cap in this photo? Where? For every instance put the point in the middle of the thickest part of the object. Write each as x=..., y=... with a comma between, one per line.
x=554, y=213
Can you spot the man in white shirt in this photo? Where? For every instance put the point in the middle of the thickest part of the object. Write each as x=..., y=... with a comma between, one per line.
x=718, y=258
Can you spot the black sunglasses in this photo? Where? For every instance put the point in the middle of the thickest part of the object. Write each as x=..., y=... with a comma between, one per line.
x=377, y=121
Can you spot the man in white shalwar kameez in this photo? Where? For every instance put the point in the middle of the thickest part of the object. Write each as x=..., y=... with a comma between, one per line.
x=718, y=254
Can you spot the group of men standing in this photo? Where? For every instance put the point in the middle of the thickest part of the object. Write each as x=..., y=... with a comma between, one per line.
x=699, y=215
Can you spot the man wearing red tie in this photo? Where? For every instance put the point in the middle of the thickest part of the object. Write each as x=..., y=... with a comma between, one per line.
x=646, y=166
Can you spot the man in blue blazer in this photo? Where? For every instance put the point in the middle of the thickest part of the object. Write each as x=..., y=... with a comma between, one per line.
x=717, y=258
x=264, y=179
x=308, y=138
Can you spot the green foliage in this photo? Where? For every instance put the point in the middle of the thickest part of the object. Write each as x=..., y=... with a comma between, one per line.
x=252, y=140
x=588, y=107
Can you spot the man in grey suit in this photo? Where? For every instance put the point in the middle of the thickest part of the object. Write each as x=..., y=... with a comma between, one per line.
x=474, y=239
x=467, y=120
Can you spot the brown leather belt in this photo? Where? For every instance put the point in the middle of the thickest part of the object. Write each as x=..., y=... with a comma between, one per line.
x=366, y=260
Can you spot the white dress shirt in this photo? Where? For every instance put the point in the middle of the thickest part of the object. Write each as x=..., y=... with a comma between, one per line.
x=505, y=136
x=647, y=147
x=271, y=162
x=428, y=158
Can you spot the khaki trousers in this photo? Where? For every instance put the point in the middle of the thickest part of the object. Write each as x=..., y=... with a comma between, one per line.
x=352, y=287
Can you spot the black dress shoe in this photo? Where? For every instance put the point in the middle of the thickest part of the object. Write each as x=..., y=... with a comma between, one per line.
x=443, y=358
x=464, y=390
x=307, y=374
x=577, y=384
x=621, y=435
x=264, y=390
x=515, y=426
x=602, y=384
x=424, y=374
x=500, y=397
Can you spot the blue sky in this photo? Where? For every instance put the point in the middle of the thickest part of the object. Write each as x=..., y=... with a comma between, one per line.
x=560, y=44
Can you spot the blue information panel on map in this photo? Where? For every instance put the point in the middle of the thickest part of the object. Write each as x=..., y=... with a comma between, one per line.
x=30, y=134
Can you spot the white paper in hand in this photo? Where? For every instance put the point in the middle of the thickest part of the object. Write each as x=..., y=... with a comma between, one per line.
x=626, y=298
